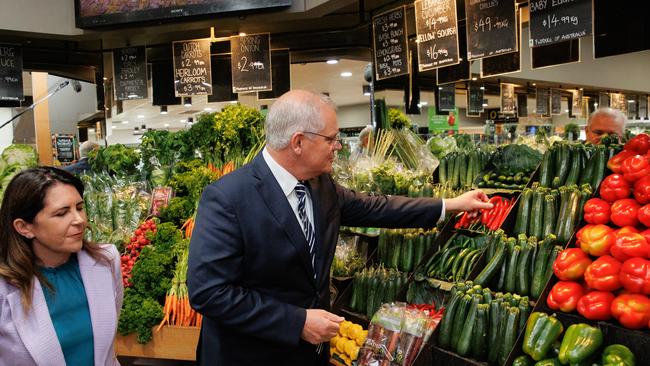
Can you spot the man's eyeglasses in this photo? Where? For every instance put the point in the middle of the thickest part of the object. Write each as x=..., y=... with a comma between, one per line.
x=332, y=140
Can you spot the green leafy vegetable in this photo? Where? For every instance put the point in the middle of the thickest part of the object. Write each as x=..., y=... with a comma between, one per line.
x=177, y=211
x=513, y=159
x=139, y=314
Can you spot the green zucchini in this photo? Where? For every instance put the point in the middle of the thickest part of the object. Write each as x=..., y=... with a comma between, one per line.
x=480, y=332
x=459, y=320
x=523, y=211
x=545, y=170
x=565, y=160
x=536, y=214
x=544, y=251
x=494, y=331
x=442, y=170
x=510, y=334
x=574, y=168
x=522, y=283
x=447, y=321
x=511, y=270
x=459, y=261
x=492, y=268
x=548, y=227
x=408, y=249
x=599, y=168
x=464, y=345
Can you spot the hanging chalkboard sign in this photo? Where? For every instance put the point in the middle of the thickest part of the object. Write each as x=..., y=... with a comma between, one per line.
x=491, y=27
x=522, y=105
x=474, y=100
x=508, y=98
x=221, y=80
x=130, y=73
x=11, y=72
x=437, y=33
x=64, y=148
x=618, y=101
x=556, y=102
x=541, y=101
x=390, y=44
x=281, y=70
x=559, y=21
x=576, y=103
x=446, y=97
x=460, y=71
x=555, y=54
x=192, y=68
x=251, y=63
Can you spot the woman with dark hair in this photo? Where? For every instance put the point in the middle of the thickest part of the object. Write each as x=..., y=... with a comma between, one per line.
x=60, y=296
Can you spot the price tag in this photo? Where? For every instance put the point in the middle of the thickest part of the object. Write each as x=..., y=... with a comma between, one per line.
x=491, y=27
x=437, y=33
x=390, y=44
x=192, y=68
x=251, y=63
x=553, y=21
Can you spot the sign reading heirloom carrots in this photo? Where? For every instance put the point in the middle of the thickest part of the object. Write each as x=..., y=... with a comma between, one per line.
x=437, y=33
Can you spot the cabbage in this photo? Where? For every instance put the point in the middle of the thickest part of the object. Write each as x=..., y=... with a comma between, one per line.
x=21, y=155
x=441, y=146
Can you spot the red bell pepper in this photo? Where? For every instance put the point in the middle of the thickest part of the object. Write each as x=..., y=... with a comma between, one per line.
x=644, y=215
x=646, y=235
x=614, y=187
x=597, y=211
x=642, y=190
x=635, y=275
x=625, y=212
x=639, y=143
x=571, y=264
x=632, y=310
x=629, y=245
x=635, y=168
x=564, y=296
x=625, y=230
x=614, y=164
x=579, y=235
x=597, y=239
x=603, y=274
x=596, y=305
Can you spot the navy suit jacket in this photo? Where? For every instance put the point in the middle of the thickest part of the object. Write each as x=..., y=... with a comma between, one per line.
x=80, y=167
x=250, y=271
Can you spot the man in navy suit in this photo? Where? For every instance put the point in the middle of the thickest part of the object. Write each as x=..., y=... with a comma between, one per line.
x=265, y=236
x=82, y=166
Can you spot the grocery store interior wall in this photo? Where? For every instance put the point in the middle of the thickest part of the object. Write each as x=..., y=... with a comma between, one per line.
x=7, y=132
x=67, y=106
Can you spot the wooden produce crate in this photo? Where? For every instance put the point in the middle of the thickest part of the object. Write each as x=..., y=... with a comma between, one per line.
x=171, y=342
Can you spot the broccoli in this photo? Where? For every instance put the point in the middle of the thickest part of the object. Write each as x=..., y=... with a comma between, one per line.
x=139, y=314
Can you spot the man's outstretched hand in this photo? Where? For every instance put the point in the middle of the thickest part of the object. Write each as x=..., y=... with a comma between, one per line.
x=320, y=326
x=469, y=201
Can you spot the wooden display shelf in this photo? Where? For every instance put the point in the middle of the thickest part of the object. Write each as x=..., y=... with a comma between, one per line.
x=171, y=343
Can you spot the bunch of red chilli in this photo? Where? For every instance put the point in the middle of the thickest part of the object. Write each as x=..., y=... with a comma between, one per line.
x=492, y=219
x=141, y=238
x=608, y=275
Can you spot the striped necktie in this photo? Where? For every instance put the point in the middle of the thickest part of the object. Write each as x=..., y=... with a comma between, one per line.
x=308, y=229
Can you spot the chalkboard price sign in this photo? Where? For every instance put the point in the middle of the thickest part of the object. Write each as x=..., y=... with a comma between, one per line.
x=447, y=98
x=556, y=102
x=541, y=101
x=130, y=73
x=251, y=63
x=508, y=101
x=475, y=96
x=192, y=68
x=553, y=21
x=64, y=148
x=437, y=33
x=390, y=44
x=11, y=72
x=491, y=27
x=643, y=107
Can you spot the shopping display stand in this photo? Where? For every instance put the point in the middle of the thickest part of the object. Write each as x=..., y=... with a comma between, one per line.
x=170, y=342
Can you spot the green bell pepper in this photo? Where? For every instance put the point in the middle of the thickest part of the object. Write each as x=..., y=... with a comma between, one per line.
x=524, y=360
x=542, y=331
x=617, y=355
x=579, y=343
x=548, y=362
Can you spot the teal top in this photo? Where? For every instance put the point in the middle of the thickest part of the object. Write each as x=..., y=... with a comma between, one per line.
x=68, y=307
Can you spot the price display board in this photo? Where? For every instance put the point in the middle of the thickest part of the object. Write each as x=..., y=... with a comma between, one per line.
x=541, y=101
x=281, y=75
x=618, y=101
x=11, y=72
x=221, y=80
x=522, y=105
x=390, y=44
x=576, y=103
x=603, y=100
x=130, y=73
x=491, y=27
x=192, y=68
x=251, y=63
x=556, y=102
x=64, y=148
x=643, y=107
x=460, y=71
x=508, y=101
x=437, y=33
x=475, y=96
x=446, y=97
x=553, y=21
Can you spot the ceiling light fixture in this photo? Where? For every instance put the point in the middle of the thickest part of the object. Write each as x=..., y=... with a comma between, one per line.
x=630, y=100
x=113, y=127
x=366, y=90
x=242, y=34
x=233, y=102
x=125, y=122
x=346, y=74
x=183, y=121
x=424, y=103
x=474, y=78
x=163, y=109
x=166, y=124
x=332, y=62
x=534, y=84
x=207, y=109
x=187, y=101
x=190, y=121
x=140, y=116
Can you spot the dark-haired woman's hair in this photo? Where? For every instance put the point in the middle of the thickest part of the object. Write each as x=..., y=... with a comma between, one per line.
x=23, y=199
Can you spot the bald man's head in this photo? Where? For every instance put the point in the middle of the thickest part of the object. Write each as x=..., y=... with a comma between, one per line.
x=605, y=121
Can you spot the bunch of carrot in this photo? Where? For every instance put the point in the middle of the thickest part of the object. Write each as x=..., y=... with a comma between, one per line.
x=177, y=310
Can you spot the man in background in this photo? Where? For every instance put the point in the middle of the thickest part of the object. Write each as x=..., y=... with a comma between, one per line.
x=82, y=166
x=605, y=121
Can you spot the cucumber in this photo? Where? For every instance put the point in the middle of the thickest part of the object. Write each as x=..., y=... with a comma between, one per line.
x=480, y=332
x=523, y=211
x=464, y=345
x=492, y=268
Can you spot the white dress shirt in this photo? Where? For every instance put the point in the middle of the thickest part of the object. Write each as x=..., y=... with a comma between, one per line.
x=288, y=184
